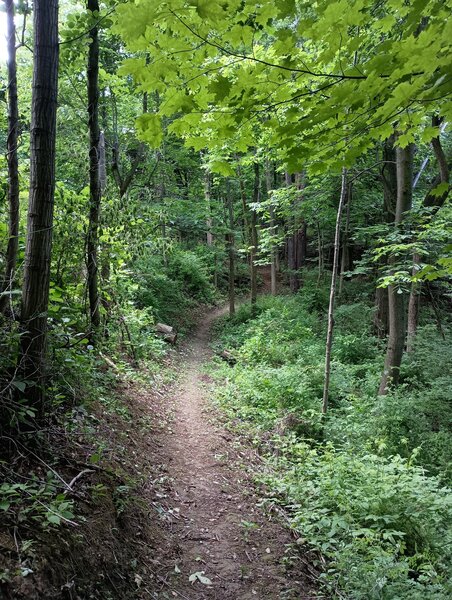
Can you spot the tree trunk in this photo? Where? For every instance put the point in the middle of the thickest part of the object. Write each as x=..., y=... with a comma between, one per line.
x=274, y=260
x=320, y=252
x=389, y=178
x=300, y=236
x=345, y=258
x=381, y=314
x=208, y=198
x=413, y=306
x=94, y=180
x=35, y=293
x=415, y=294
x=329, y=336
x=231, y=249
x=292, y=248
x=396, y=300
x=253, y=239
x=13, y=166
x=102, y=163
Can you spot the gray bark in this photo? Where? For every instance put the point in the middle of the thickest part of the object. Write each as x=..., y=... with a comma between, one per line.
x=396, y=300
x=35, y=292
x=13, y=165
x=94, y=179
x=329, y=336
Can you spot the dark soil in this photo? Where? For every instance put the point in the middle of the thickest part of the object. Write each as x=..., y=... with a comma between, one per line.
x=177, y=504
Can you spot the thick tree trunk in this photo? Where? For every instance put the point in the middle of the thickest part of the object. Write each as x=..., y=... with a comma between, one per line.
x=396, y=300
x=94, y=180
x=13, y=166
x=35, y=293
x=329, y=336
x=231, y=250
x=381, y=314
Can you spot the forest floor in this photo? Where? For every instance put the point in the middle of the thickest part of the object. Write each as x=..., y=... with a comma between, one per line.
x=172, y=511
x=214, y=526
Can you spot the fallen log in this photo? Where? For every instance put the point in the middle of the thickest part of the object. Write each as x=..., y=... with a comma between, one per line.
x=228, y=357
x=162, y=328
x=166, y=332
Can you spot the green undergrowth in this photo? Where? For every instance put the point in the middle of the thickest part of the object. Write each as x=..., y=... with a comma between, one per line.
x=367, y=486
x=86, y=427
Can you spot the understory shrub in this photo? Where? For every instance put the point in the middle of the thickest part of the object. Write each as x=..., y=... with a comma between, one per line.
x=171, y=290
x=385, y=528
x=364, y=486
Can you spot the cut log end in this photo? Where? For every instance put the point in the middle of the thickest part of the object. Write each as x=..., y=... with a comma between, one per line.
x=166, y=332
x=228, y=357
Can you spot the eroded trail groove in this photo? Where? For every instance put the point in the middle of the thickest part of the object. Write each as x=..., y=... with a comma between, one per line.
x=214, y=527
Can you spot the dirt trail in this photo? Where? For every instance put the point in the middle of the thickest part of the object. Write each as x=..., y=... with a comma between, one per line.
x=214, y=525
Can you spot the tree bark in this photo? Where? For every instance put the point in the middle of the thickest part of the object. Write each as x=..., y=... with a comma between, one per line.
x=381, y=314
x=231, y=249
x=301, y=240
x=208, y=198
x=329, y=336
x=389, y=178
x=396, y=299
x=253, y=238
x=274, y=260
x=345, y=257
x=292, y=248
x=413, y=306
x=436, y=202
x=13, y=165
x=94, y=180
x=35, y=292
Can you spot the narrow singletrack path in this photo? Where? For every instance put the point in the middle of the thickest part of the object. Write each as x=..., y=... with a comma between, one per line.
x=214, y=526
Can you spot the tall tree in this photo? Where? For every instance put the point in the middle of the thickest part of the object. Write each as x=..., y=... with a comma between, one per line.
x=230, y=240
x=13, y=166
x=269, y=176
x=435, y=202
x=388, y=175
x=253, y=237
x=329, y=335
x=94, y=179
x=35, y=293
x=396, y=299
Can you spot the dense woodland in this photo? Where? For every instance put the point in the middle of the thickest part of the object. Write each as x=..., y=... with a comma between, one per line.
x=287, y=159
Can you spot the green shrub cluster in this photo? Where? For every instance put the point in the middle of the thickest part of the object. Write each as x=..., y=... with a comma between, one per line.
x=364, y=485
x=173, y=288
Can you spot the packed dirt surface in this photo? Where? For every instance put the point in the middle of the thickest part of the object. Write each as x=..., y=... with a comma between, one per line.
x=171, y=512
x=217, y=536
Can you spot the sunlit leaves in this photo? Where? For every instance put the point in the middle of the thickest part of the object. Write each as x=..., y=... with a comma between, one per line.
x=316, y=73
x=149, y=129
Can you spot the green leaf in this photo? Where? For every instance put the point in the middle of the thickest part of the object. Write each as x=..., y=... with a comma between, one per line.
x=54, y=519
x=20, y=385
x=222, y=168
x=149, y=129
x=199, y=576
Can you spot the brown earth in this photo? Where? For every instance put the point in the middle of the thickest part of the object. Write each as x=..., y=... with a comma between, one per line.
x=172, y=499
x=215, y=527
